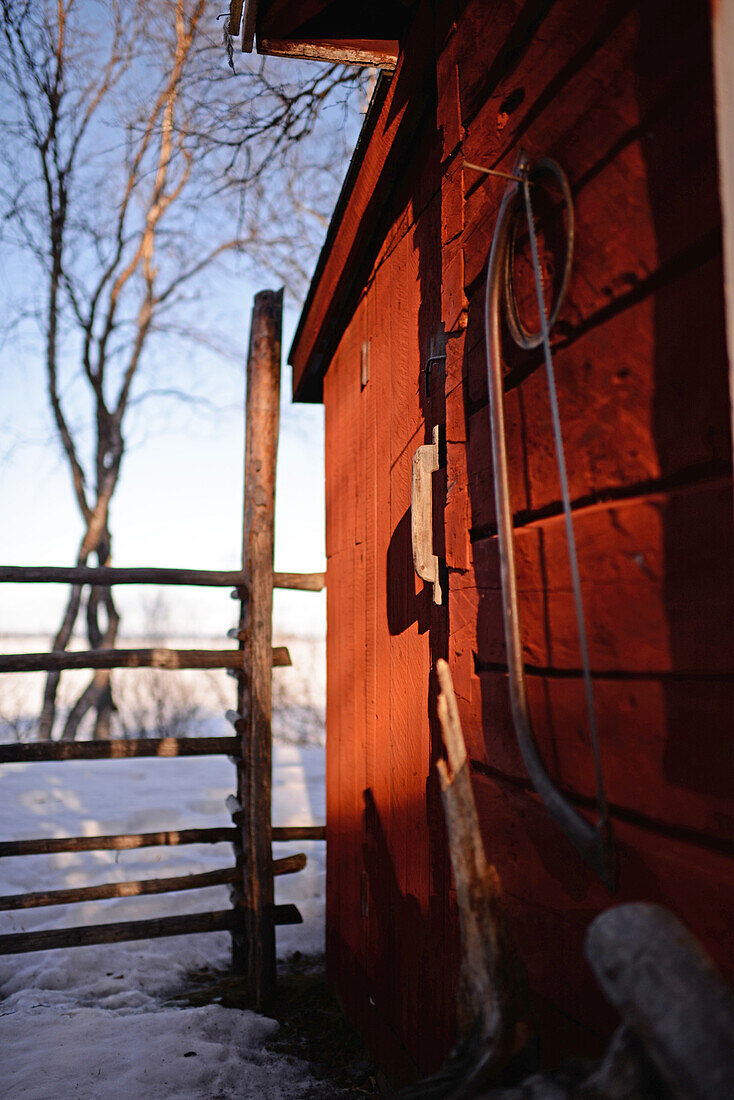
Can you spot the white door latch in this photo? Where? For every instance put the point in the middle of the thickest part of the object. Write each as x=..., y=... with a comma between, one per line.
x=425, y=463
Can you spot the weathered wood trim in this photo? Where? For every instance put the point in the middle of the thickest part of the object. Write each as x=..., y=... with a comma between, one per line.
x=235, y=17
x=383, y=54
x=249, y=21
x=391, y=124
x=163, y=747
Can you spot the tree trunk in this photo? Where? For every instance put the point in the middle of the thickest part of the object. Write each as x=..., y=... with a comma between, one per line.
x=97, y=696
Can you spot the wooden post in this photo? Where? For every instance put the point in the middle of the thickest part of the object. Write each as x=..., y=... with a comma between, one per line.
x=254, y=945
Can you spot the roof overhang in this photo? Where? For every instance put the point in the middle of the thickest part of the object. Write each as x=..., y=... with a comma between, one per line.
x=350, y=32
x=393, y=125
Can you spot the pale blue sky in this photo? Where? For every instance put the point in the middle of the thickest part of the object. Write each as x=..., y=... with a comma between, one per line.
x=179, y=501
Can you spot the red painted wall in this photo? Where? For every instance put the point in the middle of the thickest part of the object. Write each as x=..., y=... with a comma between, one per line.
x=621, y=95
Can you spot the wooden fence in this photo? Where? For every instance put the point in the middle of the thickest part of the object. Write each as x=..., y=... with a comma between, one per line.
x=254, y=915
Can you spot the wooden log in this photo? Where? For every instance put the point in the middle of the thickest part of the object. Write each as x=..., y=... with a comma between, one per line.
x=279, y=832
x=168, y=659
x=300, y=582
x=106, y=576
x=254, y=947
x=289, y=865
x=669, y=992
x=281, y=653
x=286, y=914
x=17, y=943
x=118, y=842
x=133, y=889
x=164, y=747
x=281, y=656
x=162, y=658
x=299, y=832
x=644, y=606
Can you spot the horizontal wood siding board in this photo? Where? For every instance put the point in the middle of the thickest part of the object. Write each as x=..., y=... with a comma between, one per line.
x=627, y=170
x=552, y=897
x=623, y=425
x=628, y=113
x=655, y=766
x=642, y=386
x=656, y=579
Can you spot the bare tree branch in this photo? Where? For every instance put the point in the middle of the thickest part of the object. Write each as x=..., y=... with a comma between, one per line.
x=133, y=165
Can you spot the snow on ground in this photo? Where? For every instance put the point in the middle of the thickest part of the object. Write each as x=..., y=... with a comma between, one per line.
x=98, y=1022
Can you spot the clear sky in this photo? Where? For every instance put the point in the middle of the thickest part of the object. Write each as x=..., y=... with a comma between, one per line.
x=179, y=501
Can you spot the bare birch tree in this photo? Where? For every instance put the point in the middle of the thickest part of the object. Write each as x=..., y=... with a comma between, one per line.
x=132, y=163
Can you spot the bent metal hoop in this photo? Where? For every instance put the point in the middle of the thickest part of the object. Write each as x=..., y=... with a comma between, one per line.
x=593, y=842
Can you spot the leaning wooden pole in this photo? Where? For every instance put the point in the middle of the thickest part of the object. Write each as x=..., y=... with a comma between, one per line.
x=491, y=1010
x=254, y=945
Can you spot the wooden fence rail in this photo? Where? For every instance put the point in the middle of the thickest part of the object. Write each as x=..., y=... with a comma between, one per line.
x=120, y=842
x=170, y=659
x=288, y=865
x=253, y=919
x=163, y=747
x=139, y=888
x=105, y=576
x=120, y=932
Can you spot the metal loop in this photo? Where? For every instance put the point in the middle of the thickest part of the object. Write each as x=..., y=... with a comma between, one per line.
x=522, y=336
x=593, y=842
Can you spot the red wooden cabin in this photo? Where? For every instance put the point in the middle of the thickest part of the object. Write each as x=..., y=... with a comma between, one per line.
x=621, y=95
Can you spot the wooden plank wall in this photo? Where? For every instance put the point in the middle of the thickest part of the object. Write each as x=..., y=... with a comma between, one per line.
x=620, y=94
x=386, y=873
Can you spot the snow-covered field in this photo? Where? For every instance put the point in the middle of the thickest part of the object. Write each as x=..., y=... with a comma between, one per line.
x=103, y=1021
